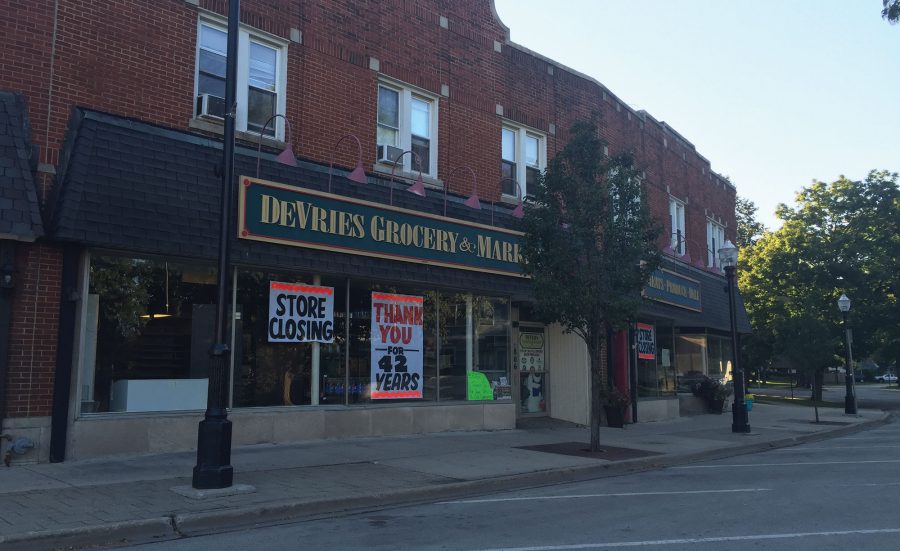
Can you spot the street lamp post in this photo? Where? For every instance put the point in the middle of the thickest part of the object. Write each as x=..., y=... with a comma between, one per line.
x=850, y=396
x=213, y=469
x=740, y=419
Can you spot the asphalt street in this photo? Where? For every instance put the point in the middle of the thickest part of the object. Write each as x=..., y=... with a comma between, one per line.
x=831, y=495
x=868, y=395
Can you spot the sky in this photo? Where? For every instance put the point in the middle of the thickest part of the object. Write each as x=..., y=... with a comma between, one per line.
x=775, y=93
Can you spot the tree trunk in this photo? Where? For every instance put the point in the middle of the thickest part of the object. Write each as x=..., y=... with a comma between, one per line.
x=595, y=350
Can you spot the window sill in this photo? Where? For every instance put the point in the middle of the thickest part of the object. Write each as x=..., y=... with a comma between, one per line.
x=509, y=199
x=430, y=182
x=218, y=128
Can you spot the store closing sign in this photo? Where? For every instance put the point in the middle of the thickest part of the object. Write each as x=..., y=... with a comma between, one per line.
x=300, y=313
x=646, y=342
x=396, y=346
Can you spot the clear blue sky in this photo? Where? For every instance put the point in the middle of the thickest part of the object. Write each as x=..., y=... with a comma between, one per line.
x=775, y=93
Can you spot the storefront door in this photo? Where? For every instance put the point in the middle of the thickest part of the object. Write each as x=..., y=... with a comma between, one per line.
x=531, y=369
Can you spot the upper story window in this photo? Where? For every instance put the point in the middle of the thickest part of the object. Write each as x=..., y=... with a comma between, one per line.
x=523, y=158
x=407, y=120
x=715, y=237
x=261, y=67
x=676, y=218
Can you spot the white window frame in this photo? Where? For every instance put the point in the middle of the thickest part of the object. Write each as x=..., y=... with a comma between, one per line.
x=715, y=237
x=246, y=35
x=521, y=133
x=676, y=222
x=405, y=95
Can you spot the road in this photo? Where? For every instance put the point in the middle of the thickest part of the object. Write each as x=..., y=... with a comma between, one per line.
x=868, y=395
x=836, y=494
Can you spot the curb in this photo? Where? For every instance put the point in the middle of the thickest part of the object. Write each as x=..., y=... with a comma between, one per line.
x=195, y=524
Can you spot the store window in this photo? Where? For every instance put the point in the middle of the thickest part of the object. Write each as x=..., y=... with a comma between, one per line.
x=272, y=367
x=655, y=360
x=676, y=221
x=699, y=356
x=690, y=361
x=719, y=360
x=260, y=90
x=407, y=119
x=149, y=326
x=523, y=159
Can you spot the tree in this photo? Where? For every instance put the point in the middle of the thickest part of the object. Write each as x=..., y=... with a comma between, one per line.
x=841, y=237
x=589, y=247
x=891, y=10
x=749, y=229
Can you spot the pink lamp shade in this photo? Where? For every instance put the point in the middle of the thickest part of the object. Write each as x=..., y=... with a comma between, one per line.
x=418, y=187
x=358, y=175
x=472, y=202
x=286, y=157
x=519, y=211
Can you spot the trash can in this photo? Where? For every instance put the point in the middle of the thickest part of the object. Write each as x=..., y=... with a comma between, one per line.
x=748, y=400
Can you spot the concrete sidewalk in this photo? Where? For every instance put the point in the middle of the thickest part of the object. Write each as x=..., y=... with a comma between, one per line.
x=132, y=499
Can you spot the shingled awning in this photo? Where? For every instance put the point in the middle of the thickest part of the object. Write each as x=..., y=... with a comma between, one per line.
x=20, y=215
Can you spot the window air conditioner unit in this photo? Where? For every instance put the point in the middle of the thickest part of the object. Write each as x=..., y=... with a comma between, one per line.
x=388, y=154
x=210, y=106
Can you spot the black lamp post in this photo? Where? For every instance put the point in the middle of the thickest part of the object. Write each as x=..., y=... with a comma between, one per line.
x=850, y=396
x=740, y=419
x=213, y=469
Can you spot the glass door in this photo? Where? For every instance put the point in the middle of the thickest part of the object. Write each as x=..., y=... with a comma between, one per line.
x=531, y=369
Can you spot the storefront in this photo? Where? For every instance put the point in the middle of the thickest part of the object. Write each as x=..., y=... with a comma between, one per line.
x=682, y=335
x=351, y=316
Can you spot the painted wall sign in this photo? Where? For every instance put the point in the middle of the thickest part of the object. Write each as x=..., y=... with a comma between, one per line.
x=300, y=313
x=646, y=341
x=300, y=217
x=396, y=366
x=675, y=289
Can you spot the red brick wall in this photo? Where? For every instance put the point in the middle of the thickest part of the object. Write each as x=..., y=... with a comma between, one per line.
x=136, y=58
x=33, y=331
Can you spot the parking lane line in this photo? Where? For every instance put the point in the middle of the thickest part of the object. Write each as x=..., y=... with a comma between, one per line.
x=587, y=496
x=647, y=543
x=798, y=463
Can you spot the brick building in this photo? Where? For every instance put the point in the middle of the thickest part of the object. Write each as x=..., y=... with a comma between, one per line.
x=113, y=118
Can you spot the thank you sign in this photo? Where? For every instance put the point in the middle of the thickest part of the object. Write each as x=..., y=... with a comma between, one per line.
x=396, y=366
x=300, y=313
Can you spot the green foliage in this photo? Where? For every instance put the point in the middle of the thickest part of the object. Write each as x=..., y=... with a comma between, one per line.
x=589, y=246
x=891, y=10
x=590, y=243
x=749, y=229
x=840, y=237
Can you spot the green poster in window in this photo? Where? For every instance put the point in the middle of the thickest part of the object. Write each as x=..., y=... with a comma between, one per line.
x=479, y=387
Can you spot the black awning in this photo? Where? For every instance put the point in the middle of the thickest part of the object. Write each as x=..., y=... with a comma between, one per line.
x=131, y=186
x=713, y=313
x=20, y=215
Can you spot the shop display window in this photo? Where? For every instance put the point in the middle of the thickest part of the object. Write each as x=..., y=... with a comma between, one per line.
x=656, y=377
x=153, y=323
x=280, y=373
x=148, y=328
